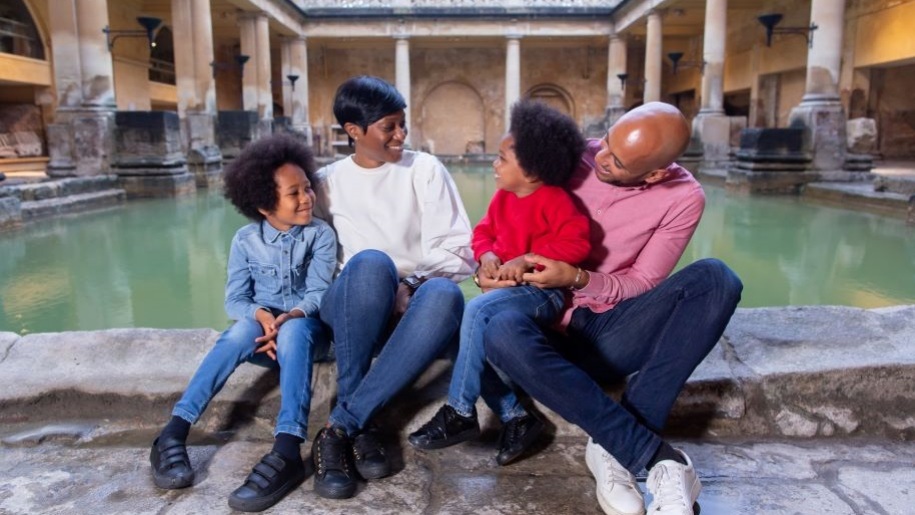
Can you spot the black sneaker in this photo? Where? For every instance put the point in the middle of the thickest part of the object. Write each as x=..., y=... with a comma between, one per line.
x=171, y=467
x=445, y=429
x=517, y=435
x=270, y=480
x=369, y=455
x=334, y=475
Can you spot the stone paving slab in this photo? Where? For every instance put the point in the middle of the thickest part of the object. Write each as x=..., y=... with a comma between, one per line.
x=795, y=371
x=846, y=476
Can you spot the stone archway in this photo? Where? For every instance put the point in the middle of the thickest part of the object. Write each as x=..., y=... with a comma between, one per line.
x=23, y=34
x=554, y=96
x=452, y=121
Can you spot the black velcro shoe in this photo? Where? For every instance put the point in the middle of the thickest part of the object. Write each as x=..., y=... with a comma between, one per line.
x=334, y=474
x=446, y=428
x=369, y=455
x=171, y=466
x=517, y=435
x=270, y=480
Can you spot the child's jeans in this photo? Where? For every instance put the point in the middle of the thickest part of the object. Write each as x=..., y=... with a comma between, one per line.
x=295, y=344
x=472, y=374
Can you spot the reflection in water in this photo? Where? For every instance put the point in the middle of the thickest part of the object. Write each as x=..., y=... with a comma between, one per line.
x=161, y=263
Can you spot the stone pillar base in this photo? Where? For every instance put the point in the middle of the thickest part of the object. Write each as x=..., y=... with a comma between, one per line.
x=768, y=182
x=144, y=186
x=80, y=144
x=206, y=166
x=235, y=129
x=713, y=132
x=824, y=124
x=10, y=211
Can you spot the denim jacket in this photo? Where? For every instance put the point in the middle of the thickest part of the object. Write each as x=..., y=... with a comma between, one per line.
x=279, y=270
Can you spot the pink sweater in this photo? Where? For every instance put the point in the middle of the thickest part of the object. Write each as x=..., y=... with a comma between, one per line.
x=638, y=233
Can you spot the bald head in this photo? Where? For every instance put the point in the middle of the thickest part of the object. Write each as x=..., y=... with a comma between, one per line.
x=649, y=137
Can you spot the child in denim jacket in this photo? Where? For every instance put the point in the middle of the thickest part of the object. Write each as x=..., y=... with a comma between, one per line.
x=279, y=268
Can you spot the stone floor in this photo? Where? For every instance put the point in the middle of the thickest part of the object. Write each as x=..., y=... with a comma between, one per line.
x=836, y=476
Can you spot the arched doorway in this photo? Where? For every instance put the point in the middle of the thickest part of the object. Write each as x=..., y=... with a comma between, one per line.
x=451, y=121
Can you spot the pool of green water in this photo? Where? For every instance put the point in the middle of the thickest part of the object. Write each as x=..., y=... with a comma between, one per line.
x=161, y=263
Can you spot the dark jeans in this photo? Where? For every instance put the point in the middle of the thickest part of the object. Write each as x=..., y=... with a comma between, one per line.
x=661, y=335
x=358, y=308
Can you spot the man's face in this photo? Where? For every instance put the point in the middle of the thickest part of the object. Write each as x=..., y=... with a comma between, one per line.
x=612, y=166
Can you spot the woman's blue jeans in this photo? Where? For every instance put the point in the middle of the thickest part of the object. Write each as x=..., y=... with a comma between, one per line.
x=295, y=344
x=472, y=373
x=661, y=336
x=358, y=308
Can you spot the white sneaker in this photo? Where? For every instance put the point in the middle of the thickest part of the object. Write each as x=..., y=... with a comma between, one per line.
x=617, y=492
x=674, y=487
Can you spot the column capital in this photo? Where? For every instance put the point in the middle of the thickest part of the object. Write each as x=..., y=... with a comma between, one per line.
x=251, y=15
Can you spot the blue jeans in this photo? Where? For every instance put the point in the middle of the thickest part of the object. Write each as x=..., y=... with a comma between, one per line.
x=358, y=308
x=471, y=370
x=294, y=349
x=661, y=335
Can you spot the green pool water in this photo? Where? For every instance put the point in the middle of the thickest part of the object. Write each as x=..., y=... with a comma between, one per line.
x=161, y=263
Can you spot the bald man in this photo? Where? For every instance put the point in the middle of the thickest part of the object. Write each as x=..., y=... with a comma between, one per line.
x=626, y=316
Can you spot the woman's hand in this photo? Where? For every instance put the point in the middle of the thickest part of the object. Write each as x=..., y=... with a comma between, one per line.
x=514, y=269
x=489, y=283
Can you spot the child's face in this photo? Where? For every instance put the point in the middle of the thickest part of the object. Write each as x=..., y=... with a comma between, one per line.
x=295, y=200
x=508, y=173
x=382, y=142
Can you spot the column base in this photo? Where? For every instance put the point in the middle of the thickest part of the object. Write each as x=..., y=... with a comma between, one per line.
x=146, y=186
x=824, y=125
x=205, y=164
x=235, y=129
x=80, y=144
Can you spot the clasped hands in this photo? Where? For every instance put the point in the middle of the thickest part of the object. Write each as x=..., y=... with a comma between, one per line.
x=531, y=269
x=271, y=326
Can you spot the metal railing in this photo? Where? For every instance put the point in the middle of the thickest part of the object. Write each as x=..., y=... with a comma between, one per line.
x=20, y=38
x=161, y=71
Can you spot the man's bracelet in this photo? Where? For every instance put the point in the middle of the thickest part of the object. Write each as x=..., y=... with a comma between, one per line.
x=574, y=285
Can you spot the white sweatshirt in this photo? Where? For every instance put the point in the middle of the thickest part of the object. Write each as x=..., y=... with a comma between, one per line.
x=410, y=210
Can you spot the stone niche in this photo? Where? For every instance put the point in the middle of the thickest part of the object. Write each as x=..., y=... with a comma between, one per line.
x=148, y=156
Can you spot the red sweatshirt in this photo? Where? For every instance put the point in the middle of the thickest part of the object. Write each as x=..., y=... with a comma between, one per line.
x=546, y=222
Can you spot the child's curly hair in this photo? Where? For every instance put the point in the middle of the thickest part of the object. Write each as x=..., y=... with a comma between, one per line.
x=548, y=143
x=249, y=182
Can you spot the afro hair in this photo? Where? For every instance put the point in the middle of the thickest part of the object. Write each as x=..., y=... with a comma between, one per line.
x=548, y=143
x=249, y=180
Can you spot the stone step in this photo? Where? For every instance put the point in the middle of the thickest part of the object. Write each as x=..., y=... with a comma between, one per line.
x=72, y=203
x=795, y=371
x=57, y=188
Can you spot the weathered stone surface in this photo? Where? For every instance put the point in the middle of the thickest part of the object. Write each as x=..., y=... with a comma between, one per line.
x=824, y=132
x=140, y=186
x=235, y=129
x=147, y=140
x=10, y=211
x=901, y=184
x=862, y=135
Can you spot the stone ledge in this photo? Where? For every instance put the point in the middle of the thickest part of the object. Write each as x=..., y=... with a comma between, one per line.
x=795, y=371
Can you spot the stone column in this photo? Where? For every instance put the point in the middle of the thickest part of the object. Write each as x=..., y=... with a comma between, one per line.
x=295, y=96
x=248, y=40
x=512, y=74
x=80, y=141
x=820, y=111
x=711, y=127
x=402, y=74
x=616, y=94
x=264, y=90
x=653, y=47
x=196, y=88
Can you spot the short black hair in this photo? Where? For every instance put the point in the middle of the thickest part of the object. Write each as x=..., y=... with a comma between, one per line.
x=364, y=100
x=548, y=143
x=249, y=180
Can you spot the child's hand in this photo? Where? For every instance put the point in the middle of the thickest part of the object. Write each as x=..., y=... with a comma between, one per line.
x=489, y=265
x=514, y=269
x=489, y=283
x=267, y=342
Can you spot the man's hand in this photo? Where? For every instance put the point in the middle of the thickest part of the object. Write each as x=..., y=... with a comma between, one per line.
x=514, y=269
x=552, y=274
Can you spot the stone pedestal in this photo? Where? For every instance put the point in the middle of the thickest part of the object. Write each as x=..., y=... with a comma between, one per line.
x=714, y=133
x=771, y=161
x=234, y=130
x=80, y=143
x=148, y=156
x=204, y=160
x=825, y=126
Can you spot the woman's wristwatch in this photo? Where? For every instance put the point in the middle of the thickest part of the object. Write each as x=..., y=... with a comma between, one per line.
x=412, y=282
